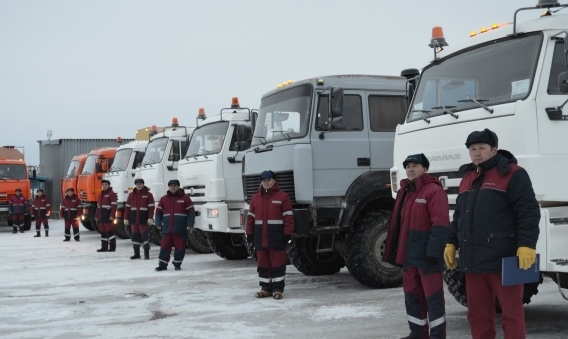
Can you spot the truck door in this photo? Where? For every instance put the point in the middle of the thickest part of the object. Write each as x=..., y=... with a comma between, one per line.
x=343, y=154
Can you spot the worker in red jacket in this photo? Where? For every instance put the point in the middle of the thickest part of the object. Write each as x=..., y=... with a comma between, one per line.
x=41, y=209
x=175, y=216
x=71, y=212
x=139, y=213
x=270, y=224
x=18, y=210
x=106, y=210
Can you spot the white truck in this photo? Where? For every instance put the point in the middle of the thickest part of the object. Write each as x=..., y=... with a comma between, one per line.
x=121, y=176
x=160, y=165
x=511, y=79
x=211, y=174
x=330, y=140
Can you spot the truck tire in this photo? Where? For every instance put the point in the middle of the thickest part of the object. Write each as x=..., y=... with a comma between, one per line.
x=27, y=222
x=155, y=235
x=302, y=254
x=87, y=224
x=197, y=242
x=230, y=246
x=455, y=280
x=364, y=249
x=120, y=230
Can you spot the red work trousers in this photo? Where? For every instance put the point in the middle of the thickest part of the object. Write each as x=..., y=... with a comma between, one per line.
x=482, y=288
x=271, y=269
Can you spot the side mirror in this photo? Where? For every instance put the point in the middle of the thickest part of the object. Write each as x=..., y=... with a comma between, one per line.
x=563, y=82
x=253, y=117
x=412, y=75
x=336, y=107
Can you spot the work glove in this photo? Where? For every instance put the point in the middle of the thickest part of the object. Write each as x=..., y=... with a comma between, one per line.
x=450, y=256
x=527, y=257
x=287, y=238
x=150, y=222
x=250, y=238
x=126, y=222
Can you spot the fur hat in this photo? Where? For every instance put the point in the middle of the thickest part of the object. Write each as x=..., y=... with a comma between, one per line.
x=482, y=137
x=418, y=159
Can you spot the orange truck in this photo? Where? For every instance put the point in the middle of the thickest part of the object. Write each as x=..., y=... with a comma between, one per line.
x=75, y=168
x=13, y=175
x=89, y=182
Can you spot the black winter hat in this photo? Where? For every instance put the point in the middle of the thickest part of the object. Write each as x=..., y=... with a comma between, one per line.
x=108, y=182
x=418, y=159
x=173, y=182
x=138, y=181
x=482, y=137
x=267, y=175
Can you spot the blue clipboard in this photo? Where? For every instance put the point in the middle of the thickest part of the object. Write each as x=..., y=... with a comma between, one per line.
x=511, y=274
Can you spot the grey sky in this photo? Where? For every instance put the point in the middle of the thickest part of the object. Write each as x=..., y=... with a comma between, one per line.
x=102, y=69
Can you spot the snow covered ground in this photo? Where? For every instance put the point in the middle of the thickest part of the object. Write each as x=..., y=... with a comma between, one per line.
x=55, y=289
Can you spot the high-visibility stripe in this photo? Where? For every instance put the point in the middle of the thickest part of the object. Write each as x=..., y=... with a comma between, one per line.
x=265, y=280
x=288, y=213
x=143, y=209
x=151, y=205
x=180, y=214
x=438, y=321
x=135, y=242
x=276, y=279
x=419, y=322
x=275, y=222
x=188, y=207
x=112, y=237
x=165, y=262
x=105, y=206
x=176, y=261
x=113, y=203
x=258, y=222
x=251, y=214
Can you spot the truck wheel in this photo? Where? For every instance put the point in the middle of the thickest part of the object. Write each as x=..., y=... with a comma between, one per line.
x=120, y=230
x=87, y=224
x=455, y=280
x=27, y=222
x=364, y=249
x=154, y=235
x=228, y=246
x=250, y=247
x=302, y=254
x=197, y=242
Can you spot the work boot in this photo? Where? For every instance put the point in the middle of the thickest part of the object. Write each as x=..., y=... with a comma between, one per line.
x=136, y=253
x=37, y=235
x=66, y=239
x=21, y=229
x=46, y=233
x=112, y=241
x=15, y=229
x=146, y=254
x=178, y=267
x=104, y=246
x=161, y=268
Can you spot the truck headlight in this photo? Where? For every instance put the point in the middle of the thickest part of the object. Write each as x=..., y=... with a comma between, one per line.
x=213, y=213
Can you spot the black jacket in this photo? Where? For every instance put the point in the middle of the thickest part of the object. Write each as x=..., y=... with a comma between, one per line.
x=496, y=212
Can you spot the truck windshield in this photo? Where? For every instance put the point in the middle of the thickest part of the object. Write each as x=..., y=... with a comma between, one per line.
x=490, y=74
x=13, y=172
x=90, y=164
x=284, y=115
x=208, y=139
x=155, y=151
x=72, y=171
x=121, y=160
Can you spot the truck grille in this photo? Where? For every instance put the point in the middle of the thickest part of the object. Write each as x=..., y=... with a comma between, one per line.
x=285, y=182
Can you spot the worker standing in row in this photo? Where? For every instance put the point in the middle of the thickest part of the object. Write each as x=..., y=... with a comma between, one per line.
x=139, y=214
x=106, y=209
x=18, y=210
x=41, y=209
x=71, y=212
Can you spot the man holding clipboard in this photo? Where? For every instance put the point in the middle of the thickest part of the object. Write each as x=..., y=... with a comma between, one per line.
x=496, y=216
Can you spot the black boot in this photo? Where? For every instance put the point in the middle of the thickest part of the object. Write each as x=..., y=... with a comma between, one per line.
x=46, y=233
x=161, y=268
x=76, y=234
x=146, y=253
x=104, y=245
x=136, y=253
x=37, y=235
x=112, y=241
x=66, y=238
x=15, y=229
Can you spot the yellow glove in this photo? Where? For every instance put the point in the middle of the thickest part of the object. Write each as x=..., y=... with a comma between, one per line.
x=126, y=222
x=450, y=256
x=150, y=222
x=527, y=257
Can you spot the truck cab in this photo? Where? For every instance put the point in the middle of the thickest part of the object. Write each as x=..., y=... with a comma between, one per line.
x=121, y=177
x=13, y=175
x=485, y=83
x=73, y=171
x=329, y=140
x=210, y=173
x=89, y=183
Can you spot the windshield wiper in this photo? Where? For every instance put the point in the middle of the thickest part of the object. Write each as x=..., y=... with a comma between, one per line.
x=421, y=112
x=260, y=139
x=478, y=101
x=447, y=110
x=284, y=134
